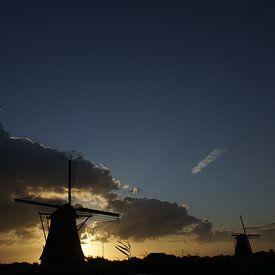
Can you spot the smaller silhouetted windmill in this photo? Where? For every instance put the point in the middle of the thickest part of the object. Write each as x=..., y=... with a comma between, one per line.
x=243, y=247
x=62, y=248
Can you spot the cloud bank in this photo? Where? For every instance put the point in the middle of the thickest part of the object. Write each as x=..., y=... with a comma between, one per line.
x=42, y=172
x=148, y=218
x=36, y=169
x=214, y=155
x=151, y=219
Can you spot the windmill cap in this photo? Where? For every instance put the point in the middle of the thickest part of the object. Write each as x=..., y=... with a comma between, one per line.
x=65, y=211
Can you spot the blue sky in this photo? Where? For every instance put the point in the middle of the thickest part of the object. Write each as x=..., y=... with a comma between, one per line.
x=149, y=90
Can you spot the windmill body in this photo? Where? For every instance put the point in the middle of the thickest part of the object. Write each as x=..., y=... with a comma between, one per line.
x=63, y=249
x=63, y=244
x=242, y=247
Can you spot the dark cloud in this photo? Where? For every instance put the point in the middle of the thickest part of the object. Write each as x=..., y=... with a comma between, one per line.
x=151, y=218
x=204, y=232
x=28, y=163
x=148, y=218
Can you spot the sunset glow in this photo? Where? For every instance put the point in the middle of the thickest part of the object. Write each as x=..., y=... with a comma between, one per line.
x=136, y=128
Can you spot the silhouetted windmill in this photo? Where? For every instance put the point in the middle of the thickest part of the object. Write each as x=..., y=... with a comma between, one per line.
x=62, y=248
x=243, y=247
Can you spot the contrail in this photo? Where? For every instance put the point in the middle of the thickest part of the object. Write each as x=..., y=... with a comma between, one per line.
x=214, y=155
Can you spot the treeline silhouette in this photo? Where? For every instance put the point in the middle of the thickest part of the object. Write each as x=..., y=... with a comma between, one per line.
x=260, y=263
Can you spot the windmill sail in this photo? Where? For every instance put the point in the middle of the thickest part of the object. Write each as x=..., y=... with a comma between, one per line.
x=98, y=212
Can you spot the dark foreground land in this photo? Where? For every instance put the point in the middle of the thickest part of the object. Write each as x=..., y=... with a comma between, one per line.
x=261, y=263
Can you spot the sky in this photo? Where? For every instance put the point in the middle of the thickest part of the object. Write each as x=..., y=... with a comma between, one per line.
x=174, y=98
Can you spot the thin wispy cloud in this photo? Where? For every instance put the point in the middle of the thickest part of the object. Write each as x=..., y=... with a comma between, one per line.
x=214, y=155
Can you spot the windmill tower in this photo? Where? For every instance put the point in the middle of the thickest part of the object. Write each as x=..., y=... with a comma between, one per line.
x=243, y=247
x=63, y=248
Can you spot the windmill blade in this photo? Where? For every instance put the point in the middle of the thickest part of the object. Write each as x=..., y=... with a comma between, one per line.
x=36, y=203
x=243, y=224
x=43, y=228
x=106, y=219
x=82, y=224
x=98, y=212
